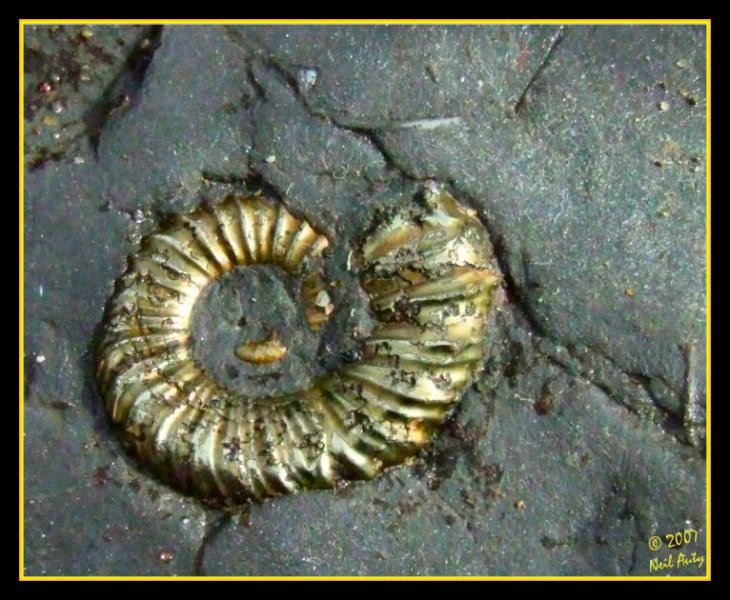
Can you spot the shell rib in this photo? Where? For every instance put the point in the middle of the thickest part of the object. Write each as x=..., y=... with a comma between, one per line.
x=427, y=272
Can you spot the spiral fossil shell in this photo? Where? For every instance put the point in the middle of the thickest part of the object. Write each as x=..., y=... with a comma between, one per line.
x=427, y=272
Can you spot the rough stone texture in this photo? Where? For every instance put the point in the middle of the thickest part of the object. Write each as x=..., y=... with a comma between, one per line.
x=583, y=150
x=74, y=76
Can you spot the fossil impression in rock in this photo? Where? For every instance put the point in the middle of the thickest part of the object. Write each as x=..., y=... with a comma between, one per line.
x=427, y=271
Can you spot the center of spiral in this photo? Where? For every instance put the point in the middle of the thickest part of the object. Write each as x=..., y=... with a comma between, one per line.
x=246, y=305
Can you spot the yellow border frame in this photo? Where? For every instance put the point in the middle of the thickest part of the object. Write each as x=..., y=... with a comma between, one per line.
x=24, y=22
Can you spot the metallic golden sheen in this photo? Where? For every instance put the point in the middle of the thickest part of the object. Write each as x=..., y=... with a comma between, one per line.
x=427, y=272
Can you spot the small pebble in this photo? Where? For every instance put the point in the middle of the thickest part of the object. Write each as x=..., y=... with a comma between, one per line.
x=322, y=299
x=306, y=79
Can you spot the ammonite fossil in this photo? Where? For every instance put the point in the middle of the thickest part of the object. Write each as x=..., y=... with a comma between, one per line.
x=428, y=276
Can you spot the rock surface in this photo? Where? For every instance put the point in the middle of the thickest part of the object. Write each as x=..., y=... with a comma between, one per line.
x=582, y=148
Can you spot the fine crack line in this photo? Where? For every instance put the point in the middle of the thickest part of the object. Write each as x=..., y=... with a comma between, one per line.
x=557, y=38
x=212, y=532
x=641, y=536
x=125, y=88
x=642, y=402
x=369, y=134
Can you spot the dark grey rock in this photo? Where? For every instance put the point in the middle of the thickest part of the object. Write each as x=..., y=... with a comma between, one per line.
x=74, y=248
x=583, y=150
x=442, y=72
x=76, y=75
x=88, y=513
x=188, y=124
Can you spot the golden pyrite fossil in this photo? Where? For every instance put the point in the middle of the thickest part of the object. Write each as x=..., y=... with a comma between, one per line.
x=427, y=271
